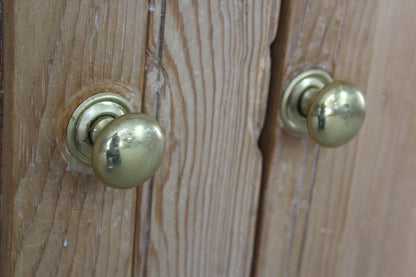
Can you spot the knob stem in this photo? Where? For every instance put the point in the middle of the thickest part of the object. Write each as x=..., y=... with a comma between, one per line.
x=97, y=126
x=306, y=101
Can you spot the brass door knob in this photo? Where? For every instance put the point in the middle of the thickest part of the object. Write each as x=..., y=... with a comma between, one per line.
x=331, y=111
x=124, y=148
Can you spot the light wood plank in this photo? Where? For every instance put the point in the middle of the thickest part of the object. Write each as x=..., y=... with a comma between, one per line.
x=58, y=220
x=1, y=117
x=327, y=34
x=363, y=214
x=213, y=91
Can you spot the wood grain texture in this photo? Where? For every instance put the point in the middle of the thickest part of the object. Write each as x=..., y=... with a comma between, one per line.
x=214, y=78
x=58, y=220
x=363, y=213
x=348, y=211
x=1, y=117
x=153, y=84
x=326, y=34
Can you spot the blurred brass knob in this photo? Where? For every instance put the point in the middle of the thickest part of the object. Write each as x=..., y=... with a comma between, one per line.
x=331, y=111
x=124, y=148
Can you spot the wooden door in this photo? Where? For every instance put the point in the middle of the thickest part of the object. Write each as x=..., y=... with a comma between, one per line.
x=236, y=195
x=348, y=211
x=203, y=68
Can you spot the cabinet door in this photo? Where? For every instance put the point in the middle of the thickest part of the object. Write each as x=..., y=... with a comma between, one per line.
x=219, y=205
x=202, y=68
x=213, y=75
x=348, y=211
x=58, y=219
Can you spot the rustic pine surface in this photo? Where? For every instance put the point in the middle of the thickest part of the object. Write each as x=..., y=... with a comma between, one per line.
x=59, y=220
x=348, y=211
x=214, y=80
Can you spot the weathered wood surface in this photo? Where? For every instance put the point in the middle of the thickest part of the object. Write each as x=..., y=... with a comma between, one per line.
x=367, y=206
x=213, y=83
x=58, y=221
x=1, y=113
x=348, y=211
x=214, y=79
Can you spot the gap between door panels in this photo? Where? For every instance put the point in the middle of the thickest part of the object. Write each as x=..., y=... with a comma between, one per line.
x=145, y=192
x=270, y=148
x=1, y=118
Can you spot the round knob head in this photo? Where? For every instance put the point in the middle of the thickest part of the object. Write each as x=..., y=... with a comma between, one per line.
x=128, y=150
x=336, y=114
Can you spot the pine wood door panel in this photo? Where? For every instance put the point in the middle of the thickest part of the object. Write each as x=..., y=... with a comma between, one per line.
x=214, y=77
x=347, y=211
x=56, y=219
x=309, y=35
x=368, y=210
x=203, y=69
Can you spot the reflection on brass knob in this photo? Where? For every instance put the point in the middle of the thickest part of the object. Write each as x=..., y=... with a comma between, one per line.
x=331, y=111
x=124, y=148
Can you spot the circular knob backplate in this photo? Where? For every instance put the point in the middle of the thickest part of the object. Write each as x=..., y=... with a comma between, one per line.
x=331, y=111
x=99, y=106
x=128, y=151
x=309, y=81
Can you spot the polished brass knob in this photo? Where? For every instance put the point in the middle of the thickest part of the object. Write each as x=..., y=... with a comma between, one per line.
x=124, y=148
x=331, y=111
